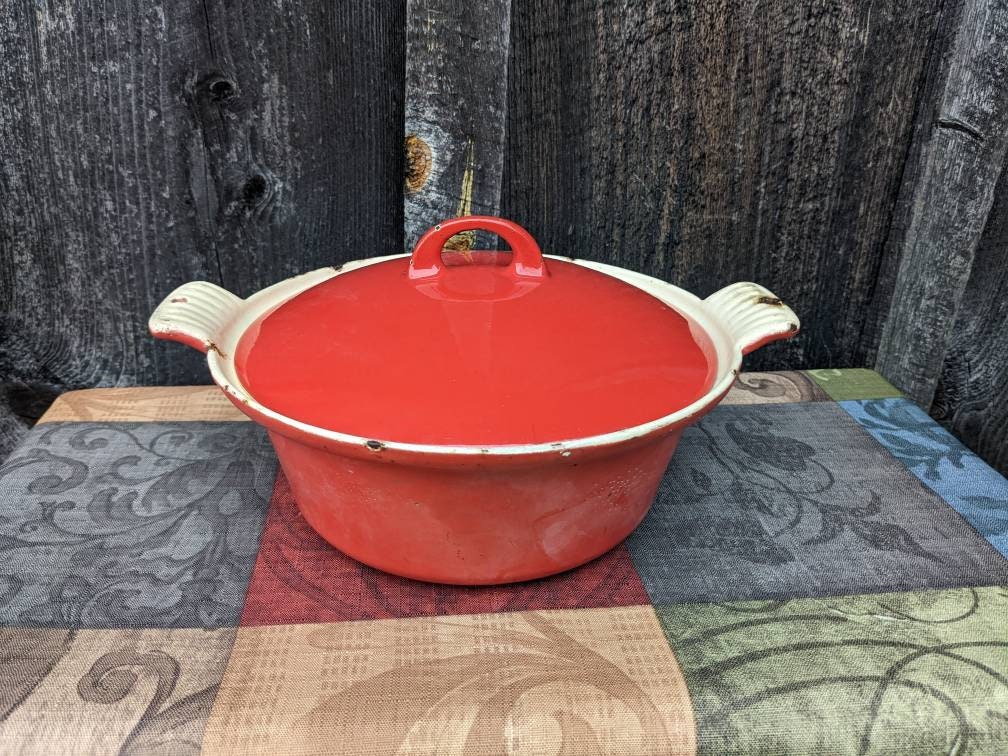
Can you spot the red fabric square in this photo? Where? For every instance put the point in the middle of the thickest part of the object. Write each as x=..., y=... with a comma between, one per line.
x=300, y=578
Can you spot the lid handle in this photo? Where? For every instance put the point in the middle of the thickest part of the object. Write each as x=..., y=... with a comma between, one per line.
x=526, y=258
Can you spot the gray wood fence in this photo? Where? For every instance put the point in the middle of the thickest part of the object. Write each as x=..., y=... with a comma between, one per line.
x=846, y=154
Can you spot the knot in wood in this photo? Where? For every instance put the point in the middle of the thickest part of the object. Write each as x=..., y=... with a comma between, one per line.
x=418, y=163
x=462, y=242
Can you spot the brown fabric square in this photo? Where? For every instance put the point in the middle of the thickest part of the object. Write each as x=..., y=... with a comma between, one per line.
x=570, y=682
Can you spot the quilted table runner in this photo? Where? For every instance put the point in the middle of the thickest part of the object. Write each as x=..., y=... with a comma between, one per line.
x=823, y=572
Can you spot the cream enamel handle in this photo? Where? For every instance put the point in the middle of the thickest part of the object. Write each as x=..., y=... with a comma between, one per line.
x=195, y=314
x=752, y=315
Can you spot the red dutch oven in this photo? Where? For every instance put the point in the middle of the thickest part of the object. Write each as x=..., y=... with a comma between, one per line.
x=477, y=417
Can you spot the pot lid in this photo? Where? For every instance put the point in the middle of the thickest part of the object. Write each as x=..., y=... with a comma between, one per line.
x=496, y=349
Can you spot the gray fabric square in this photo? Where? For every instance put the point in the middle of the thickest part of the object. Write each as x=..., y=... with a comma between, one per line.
x=794, y=500
x=132, y=524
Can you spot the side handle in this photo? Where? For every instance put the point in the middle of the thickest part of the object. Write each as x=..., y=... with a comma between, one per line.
x=195, y=314
x=753, y=315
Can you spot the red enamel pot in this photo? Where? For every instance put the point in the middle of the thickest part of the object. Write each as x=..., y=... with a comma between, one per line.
x=475, y=417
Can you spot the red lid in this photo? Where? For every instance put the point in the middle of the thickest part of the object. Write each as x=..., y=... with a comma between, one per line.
x=519, y=352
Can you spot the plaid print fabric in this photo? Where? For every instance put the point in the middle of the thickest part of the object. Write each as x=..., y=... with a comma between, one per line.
x=823, y=571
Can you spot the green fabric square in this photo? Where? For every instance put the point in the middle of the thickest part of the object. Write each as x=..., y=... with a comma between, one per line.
x=896, y=673
x=853, y=383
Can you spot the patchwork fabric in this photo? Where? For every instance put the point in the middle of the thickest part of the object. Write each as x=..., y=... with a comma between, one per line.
x=823, y=571
x=108, y=691
x=941, y=462
x=594, y=681
x=899, y=673
x=132, y=524
x=853, y=383
x=301, y=578
x=775, y=388
x=798, y=500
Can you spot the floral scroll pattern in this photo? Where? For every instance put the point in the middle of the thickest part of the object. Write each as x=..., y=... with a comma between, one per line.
x=132, y=524
x=912, y=437
x=798, y=500
x=117, y=691
x=765, y=388
x=904, y=673
x=595, y=681
x=941, y=462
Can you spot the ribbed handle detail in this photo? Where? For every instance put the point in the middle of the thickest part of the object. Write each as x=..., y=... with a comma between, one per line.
x=752, y=314
x=195, y=314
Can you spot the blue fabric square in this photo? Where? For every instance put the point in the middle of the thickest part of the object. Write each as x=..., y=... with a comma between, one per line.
x=940, y=461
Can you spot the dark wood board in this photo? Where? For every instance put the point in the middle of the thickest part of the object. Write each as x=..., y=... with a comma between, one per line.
x=972, y=397
x=456, y=97
x=146, y=144
x=707, y=143
x=950, y=196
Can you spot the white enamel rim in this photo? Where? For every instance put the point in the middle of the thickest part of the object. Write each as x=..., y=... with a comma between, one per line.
x=732, y=319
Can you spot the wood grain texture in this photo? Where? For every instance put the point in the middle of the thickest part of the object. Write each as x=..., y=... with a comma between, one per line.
x=456, y=96
x=151, y=143
x=147, y=144
x=952, y=191
x=706, y=143
x=972, y=396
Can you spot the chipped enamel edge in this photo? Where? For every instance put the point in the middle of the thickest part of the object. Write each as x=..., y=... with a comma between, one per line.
x=196, y=312
x=753, y=314
x=731, y=335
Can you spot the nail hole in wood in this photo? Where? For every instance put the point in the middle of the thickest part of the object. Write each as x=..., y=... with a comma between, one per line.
x=221, y=89
x=254, y=189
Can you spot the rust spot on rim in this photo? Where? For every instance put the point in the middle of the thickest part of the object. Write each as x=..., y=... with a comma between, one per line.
x=772, y=301
x=180, y=300
x=211, y=347
x=375, y=446
x=418, y=163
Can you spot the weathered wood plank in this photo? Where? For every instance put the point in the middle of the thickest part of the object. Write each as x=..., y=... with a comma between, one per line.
x=456, y=97
x=150, y=143
x=951, y=197
x=972, y=397
x=711, y=142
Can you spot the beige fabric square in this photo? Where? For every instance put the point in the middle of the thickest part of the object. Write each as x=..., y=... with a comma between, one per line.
x=597, y=681
x=142, y=404
x=775, y=388
x=108, y=691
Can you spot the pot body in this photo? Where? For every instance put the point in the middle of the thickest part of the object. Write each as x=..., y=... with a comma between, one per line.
x=472, y=514
x=475, y=524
